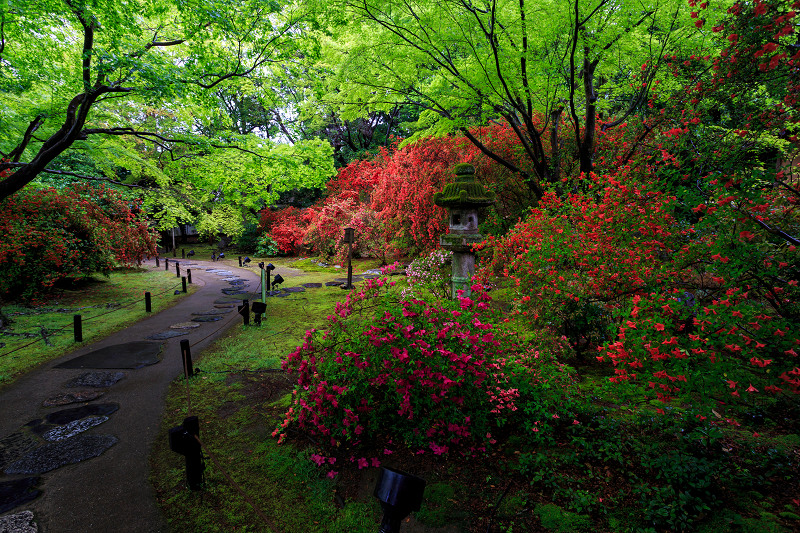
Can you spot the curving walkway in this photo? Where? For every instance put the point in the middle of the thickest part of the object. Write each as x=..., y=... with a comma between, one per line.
x=95, y=479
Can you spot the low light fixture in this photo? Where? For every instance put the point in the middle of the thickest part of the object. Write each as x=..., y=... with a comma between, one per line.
x=270, y=266
x=259, y=308
x=246, y=260
x=277, y=281
x=400, y=493
x=261, y=265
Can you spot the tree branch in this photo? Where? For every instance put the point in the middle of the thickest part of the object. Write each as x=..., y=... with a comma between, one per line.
x=16, y=153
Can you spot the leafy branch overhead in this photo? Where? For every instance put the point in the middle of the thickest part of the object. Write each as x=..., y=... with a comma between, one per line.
x=465, y=63
x=76, y=72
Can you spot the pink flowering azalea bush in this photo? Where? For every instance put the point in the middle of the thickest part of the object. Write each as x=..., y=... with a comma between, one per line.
x=437, y=376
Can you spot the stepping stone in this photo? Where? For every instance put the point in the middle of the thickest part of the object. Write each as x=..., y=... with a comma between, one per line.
x=18, y=523
x=15, y=446
x=233, y=291
x=73, y=428
x=14, y=493
x=225, y=306
x=95, y=379
x=57, y=454
x=67, y=416
x=206, y=318
x=334, y=283
x=371, y=276
x=293, y=289
x=72, y=397
x=228, y=301
x=184, y=325
x=165, y=335
x=312, y=285
x=131, y=355
x=213, y=312
x=280, y=294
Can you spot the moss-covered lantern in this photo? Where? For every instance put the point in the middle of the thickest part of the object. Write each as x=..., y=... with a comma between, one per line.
x=463, y=199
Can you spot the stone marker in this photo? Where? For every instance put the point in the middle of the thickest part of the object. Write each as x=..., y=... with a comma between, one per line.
x=206, y=318
x=66, y=416
x=165, y=335
x=95, y=379
x=16, y=492
x=18, y=523
x=57, y=454
x=184, y=325
x=72, y=397
x=15, y=446
x=73, y=428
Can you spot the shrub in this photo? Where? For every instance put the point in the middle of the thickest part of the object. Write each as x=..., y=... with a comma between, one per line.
x=53, y=235
x=432, y=376
x=431, y=273
x=266, y=247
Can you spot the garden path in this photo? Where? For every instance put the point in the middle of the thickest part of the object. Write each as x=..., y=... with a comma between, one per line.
x=109, y=491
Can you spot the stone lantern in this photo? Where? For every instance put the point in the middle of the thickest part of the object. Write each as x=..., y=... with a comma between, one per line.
x=462, y=200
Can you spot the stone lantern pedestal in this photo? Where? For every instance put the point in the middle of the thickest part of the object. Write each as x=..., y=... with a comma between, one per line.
x=462, y=199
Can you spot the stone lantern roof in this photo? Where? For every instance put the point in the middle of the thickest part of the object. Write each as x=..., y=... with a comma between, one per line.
x=466, y=192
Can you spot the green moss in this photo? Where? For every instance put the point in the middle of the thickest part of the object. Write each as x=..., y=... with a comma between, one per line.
x=556, y=519
x=437, y=505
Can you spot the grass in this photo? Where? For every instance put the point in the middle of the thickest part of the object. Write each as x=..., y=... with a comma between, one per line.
x=44, y=331
x=239, y=400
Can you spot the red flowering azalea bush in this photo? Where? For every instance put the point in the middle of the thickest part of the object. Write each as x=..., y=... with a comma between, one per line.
x=52, y=235
x=389, y=200
x=286, y=227
x=435, y=376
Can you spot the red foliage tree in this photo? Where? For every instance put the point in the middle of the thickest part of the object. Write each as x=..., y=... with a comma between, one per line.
x=53, y=235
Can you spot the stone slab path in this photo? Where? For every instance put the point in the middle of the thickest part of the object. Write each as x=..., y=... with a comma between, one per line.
x=81, y=471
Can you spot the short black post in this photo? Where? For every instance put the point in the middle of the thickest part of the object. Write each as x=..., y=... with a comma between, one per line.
x=183, y=283
x=78, y=328
x=157, y=262
x=186, y=355
x=189, y=275
x=177, y=269
x=166, y=264
x=244, y=309
x=185, y=440
x=148, y=304
x=183, y=253
x=240, y=260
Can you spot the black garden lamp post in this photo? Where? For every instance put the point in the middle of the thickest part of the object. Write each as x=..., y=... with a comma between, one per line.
x=400, y=493
x=269, y=268
x=277, y=281
x=349, y=238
